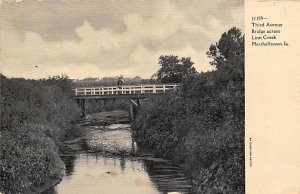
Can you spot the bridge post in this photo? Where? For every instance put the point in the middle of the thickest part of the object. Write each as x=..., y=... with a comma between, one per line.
x=131, y=114
x=132, y=105
x=83, y=108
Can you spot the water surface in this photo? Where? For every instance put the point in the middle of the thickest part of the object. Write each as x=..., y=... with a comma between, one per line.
x=106, y=165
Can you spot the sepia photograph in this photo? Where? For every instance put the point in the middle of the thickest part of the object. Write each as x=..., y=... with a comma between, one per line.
x=122, y=97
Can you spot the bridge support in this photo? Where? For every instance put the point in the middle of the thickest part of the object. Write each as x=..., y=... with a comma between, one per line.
x=81, y=103
x=131, y=114
x=133, y=106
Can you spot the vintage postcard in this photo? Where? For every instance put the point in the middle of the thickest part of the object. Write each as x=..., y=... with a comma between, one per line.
x=149, y=97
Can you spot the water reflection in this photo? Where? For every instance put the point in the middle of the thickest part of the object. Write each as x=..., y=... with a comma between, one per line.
x=69, y=164
x=167, y=177
x=89, y=173
x=122, y=164
x=104, y=175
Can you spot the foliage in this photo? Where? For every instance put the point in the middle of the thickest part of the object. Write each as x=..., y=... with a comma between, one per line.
x=174, y=70
x=228, y=54
x=202, y=127
x=25, y=157
x=35, y=116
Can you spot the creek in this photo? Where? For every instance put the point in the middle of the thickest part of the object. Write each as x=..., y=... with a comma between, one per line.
x=107, y=160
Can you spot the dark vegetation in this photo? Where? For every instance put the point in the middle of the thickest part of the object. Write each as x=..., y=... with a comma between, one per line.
x=36, y=116
x=94, y=106
x=174, y=70
x=202, y=127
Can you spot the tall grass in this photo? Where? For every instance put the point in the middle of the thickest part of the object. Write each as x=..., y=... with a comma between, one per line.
x=36, y=116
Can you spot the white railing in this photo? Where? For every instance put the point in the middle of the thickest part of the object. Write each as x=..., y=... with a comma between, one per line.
x=119, y=90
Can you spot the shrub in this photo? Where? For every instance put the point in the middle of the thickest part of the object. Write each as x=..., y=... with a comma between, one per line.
x=35, y=116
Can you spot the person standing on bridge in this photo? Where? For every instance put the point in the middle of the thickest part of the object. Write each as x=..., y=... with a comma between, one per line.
x=121, y=80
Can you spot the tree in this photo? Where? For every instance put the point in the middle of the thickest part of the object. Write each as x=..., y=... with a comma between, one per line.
x=174, y=70
x=228, y=54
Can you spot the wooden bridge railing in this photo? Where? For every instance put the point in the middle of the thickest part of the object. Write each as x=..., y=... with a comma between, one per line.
x=124, y=89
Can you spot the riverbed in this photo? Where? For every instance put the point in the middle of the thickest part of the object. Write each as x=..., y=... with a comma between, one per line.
x=107, y=160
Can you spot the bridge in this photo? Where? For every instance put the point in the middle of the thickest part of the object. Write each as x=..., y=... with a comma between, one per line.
x=124, y=91
x=131, y=92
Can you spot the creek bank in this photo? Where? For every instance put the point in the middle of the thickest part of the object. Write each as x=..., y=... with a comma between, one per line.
x=210, y=179
x=56, y=169
x=57, y=176
x=36, y=116
x=201, y=130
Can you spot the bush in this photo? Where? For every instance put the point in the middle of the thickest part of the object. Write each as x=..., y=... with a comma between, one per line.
x=202, y=130
x=26, y=155
x=35, y=116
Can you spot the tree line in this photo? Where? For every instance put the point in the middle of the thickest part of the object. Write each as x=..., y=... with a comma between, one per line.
x=227, y=56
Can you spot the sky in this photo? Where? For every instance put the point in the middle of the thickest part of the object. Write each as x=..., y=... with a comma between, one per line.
x=103, y=38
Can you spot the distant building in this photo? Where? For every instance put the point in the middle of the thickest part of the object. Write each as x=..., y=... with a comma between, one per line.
x=90, y=79
x=110, y=78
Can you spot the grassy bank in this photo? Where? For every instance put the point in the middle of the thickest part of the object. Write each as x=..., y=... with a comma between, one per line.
x=36, y=117
x=201, y=129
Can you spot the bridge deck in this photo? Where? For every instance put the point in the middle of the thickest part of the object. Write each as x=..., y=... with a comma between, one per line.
x=124, y=91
